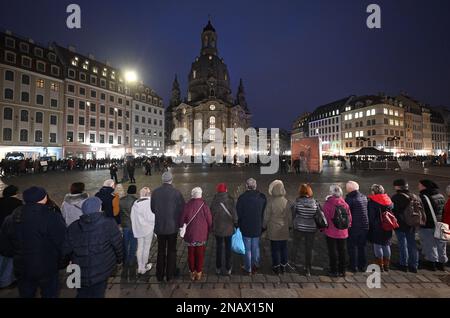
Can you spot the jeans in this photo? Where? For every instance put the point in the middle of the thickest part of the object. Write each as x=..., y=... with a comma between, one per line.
x=129, y=246
x=409, y=256
x=279, y=253
x=336, y=253
x=6, y=271
x=309, y=245
x=196, y=257
x=382, y=251
x=252, y=255
x=433, y=250
x=143, y=251
x=356, y=245
x=94, y=291
x=49, y=287
x=167, y=256
x=220, y=242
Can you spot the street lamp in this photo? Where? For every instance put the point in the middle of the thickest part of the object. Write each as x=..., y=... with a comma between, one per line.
x=131, y=76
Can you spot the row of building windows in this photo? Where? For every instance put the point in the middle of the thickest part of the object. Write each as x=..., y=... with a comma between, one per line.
x=147, y=143
x=24, y=116
x=324, y=122
x=93, y=94
x=81, y=138
x=148, y=131
x=143, y=108
x=93, y=108
x=25, y=48
x=23, y=135
x=25, y=97
x=93, y=122
x=369, y=112
x=149, y=121
x=26, y=62
x=25, y=80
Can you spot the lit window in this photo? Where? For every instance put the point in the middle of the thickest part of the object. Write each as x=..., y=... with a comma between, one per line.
x=95, y=70
x=368, y=112
x=357, y=134
x=391, y=122
x=391, y=112
x=356, y=115
x=40, y=83
x=385, y=111
x=396, y=113
x=350, y=117
x=373, y=112
x=346, y=135
x=54, y=87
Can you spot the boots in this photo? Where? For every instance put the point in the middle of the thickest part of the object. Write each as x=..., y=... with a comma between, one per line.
x=379, y=262
x=193, y=275
x=440, y=266
x=386, y=263
x=199, y=276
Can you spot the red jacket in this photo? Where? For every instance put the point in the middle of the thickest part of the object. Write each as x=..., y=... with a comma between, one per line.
x=446, y=216
x=201, y=225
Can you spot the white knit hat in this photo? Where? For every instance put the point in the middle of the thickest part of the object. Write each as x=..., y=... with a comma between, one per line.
x=196, y=193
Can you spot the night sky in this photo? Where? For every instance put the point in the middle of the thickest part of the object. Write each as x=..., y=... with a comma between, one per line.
x=292, y=55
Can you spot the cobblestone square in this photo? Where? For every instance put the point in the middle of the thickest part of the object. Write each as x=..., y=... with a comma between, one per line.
x=264, y=284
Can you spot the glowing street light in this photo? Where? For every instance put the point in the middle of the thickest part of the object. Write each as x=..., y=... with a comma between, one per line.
x=131, y=76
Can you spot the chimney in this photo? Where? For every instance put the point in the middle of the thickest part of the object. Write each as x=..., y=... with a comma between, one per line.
x=91, y=56
x=108, y=64
x=72, y=48
x=31, y=40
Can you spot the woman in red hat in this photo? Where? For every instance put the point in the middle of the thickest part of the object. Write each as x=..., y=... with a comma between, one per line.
x=223, y=210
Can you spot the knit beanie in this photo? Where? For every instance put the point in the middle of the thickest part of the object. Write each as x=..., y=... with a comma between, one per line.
x=429, y=184
x=34, y=194
x=221, y=187
x=132, y=189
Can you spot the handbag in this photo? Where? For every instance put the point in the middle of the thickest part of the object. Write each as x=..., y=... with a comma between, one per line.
x=237, y=243
x=319, y=218
x=183, y=229
x=441, y=230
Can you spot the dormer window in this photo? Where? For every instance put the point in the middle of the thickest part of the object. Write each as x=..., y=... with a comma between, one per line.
x=95, y=70
x=194, y=74
x=105, y=72
x=113, y=75
x=24, y=47
x=38, y=52
x=75, y=61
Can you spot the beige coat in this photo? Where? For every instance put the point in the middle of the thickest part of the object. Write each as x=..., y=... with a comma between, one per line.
x=278, y=215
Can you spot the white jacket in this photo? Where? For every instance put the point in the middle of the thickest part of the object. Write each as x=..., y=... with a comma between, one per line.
x=142, y=218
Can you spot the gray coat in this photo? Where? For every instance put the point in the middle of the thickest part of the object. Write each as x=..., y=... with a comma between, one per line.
x=167, y=205
x=223, y=223
x=278, y=216
x=71, y=207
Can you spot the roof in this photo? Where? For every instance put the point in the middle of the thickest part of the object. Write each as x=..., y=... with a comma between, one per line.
x=339, y=104
x=209, y=27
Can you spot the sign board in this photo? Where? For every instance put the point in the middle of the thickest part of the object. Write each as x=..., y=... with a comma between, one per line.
x=308, y=154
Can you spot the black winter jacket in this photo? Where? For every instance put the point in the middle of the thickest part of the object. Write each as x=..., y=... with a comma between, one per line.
x=34, y=236
x=94, y=242
x=437, y=201
x=250, y=210
x=106, y=194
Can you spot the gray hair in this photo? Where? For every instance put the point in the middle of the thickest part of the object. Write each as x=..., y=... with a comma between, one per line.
x=447, y=190
x=352, y=186
x=377, y=189
x=336, y=191
x=196, y=193
x=109, y=183
x=145, y=192
x=251, y=184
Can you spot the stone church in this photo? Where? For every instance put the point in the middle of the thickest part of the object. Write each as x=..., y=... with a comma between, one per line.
x=209, y=98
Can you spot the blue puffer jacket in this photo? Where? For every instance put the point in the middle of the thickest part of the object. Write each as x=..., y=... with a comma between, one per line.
x=94, y=242
x=250, y=210
x=106, y=194
x=358, y=208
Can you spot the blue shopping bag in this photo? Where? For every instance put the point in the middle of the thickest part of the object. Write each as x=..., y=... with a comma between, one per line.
x=237, y=243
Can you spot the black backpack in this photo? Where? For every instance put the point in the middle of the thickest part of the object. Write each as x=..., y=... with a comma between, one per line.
x=340, y=219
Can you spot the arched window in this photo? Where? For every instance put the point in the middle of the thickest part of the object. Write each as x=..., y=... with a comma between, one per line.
x=7, y=113
x=212, y=122
x=39, y=118
x=24, y=135
x=9, y=93
x=212, y=93
x=212, y=128
x=38, y=136
x=7, y=134
x=24, y=115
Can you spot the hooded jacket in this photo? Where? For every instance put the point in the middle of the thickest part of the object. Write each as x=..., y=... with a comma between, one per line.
x=94, y=243
x=142, y=218
x=71, y=207
x=329, y=210
x=378, y=203
x=305, y=209
x=278, y=214
x=106, y=194
x=401, y=200
x=437, y=201
x=201, y=225
x=223, y=223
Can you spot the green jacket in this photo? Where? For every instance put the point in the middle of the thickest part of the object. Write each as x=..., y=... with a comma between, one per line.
x=126, y=203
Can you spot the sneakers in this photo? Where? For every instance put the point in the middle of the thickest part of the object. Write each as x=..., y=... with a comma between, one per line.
x=308, y=271
x=276, y=270
x=218, y=271
x=342, y=274
x=193, y=276
x=229, y=272
x=333, y=274
x=402, y=268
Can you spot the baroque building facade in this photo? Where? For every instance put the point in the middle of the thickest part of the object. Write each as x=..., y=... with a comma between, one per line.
x=209, y=103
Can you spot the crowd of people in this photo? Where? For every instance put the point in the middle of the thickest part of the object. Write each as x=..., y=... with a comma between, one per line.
x=38, y=238
x=32, y=166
